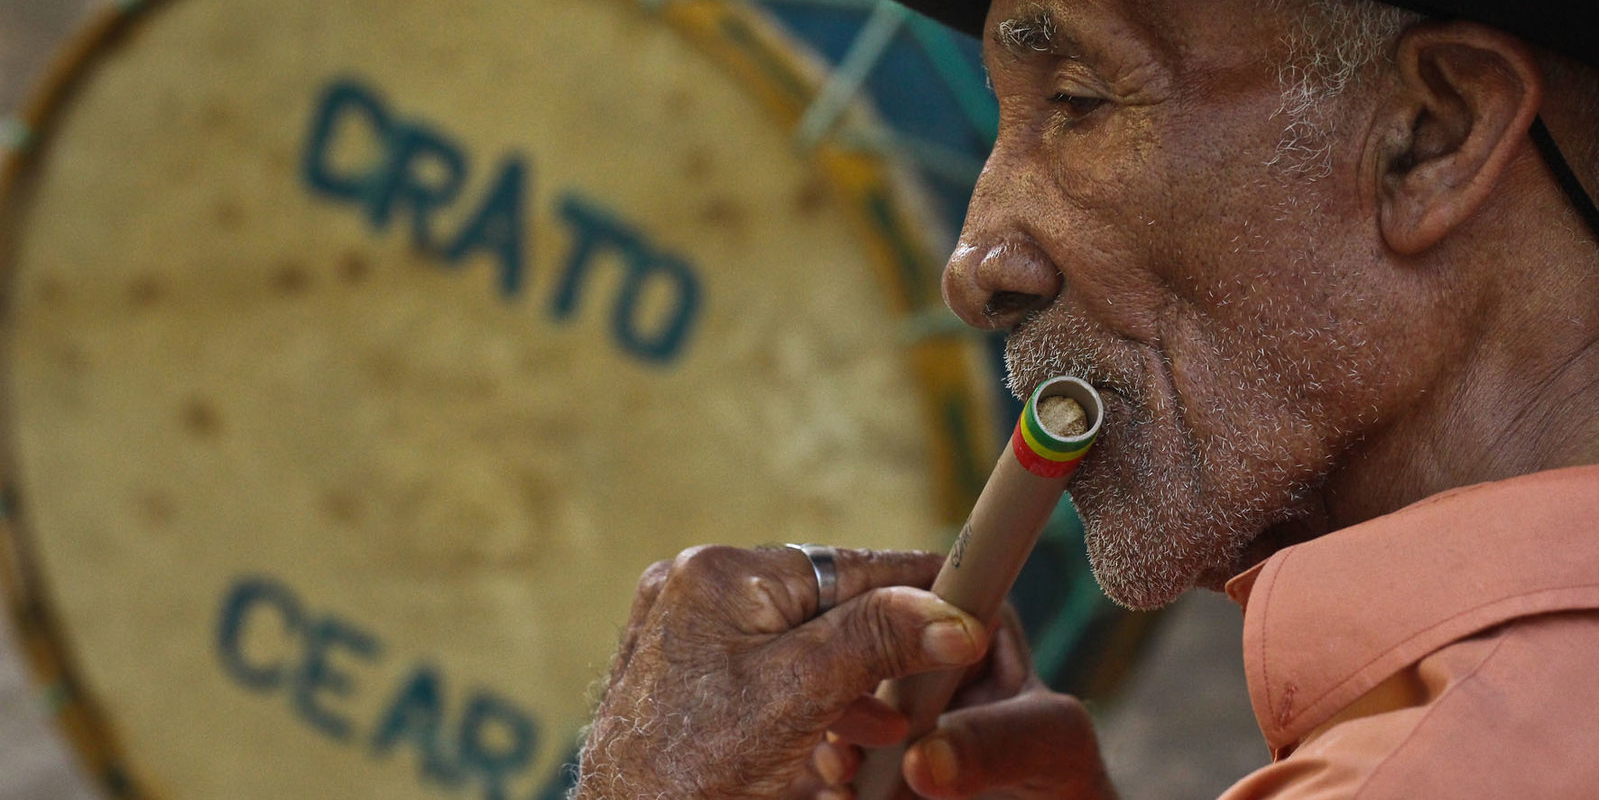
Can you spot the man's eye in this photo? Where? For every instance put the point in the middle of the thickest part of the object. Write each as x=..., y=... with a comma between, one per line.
x=1076, y=105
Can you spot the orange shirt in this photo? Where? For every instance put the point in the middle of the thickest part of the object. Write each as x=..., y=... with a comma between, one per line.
x=1447, y=650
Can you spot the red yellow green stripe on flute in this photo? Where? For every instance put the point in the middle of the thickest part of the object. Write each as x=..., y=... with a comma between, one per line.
x=1043, y=453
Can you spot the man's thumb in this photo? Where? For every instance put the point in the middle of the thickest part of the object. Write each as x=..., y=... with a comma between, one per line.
x=881, y=634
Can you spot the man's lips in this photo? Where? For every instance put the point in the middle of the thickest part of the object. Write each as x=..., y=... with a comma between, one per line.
x=1107, y=390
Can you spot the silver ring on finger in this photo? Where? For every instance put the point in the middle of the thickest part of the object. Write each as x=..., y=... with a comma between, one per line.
x=824, y=562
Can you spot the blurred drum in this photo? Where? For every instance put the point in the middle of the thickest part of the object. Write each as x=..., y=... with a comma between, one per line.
x=358, y=357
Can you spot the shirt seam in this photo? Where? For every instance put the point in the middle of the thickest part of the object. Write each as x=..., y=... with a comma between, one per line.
x=1449, y=693
x=1265, y=627
x=1419, y=633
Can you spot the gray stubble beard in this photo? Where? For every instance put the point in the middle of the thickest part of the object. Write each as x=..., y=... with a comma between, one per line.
x=1151, y=527
x=1153, y=531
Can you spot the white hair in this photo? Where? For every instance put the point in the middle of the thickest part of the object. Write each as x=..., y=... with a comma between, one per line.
x=1333, y=48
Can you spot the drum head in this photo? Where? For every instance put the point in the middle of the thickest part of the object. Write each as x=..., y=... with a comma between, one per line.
x=359, y=356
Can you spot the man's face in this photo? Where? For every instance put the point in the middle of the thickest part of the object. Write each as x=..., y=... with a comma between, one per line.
x=1143, y=223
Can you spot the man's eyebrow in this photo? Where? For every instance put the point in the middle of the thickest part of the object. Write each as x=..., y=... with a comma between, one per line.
x=1031, y=32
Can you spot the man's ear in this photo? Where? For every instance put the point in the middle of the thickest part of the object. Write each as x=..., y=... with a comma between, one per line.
x=1467, y=94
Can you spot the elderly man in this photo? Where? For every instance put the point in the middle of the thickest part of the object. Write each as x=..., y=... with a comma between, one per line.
x=1339, y=285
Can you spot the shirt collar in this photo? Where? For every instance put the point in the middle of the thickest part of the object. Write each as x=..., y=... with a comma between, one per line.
x=1328, y=620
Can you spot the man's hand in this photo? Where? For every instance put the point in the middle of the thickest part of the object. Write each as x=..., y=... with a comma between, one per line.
x=724, y=685
x=1006, y=737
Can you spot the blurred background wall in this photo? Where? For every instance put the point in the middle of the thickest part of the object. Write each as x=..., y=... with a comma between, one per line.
x=1178, y=727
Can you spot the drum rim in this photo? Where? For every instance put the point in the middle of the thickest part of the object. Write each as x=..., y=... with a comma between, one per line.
x=865, y=185
x=37, y=632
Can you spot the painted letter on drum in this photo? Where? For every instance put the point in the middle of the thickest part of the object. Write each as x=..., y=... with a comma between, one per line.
x=270, y=643
x=359, y=152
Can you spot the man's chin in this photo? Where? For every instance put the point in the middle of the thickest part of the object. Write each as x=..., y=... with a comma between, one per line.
x=1147, y=548
x=1133, y=568
x=1137, y=597
x=1145, y=556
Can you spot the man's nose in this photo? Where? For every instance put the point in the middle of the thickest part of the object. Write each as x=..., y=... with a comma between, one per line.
x=996, y=284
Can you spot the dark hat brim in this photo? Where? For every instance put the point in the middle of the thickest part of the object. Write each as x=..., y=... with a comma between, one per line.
x=965, y=16
x=1570, y=27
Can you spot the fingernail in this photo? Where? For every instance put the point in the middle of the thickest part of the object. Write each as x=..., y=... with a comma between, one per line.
x=948, y=642
x=940, y=758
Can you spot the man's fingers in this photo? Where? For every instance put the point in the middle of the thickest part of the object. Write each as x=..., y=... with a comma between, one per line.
x=836, y=761
x=772, y=590
x=1005, y=673
x=808, y=786
x=882, y=634
x=860, y=571
x=1038, y=744
x=870, y=722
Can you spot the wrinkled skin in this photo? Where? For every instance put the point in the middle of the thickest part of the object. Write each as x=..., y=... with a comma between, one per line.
x=727, y=688
x=1281, y=356
x=1004, y=737
x=1130, y=228
x=1288, y=344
